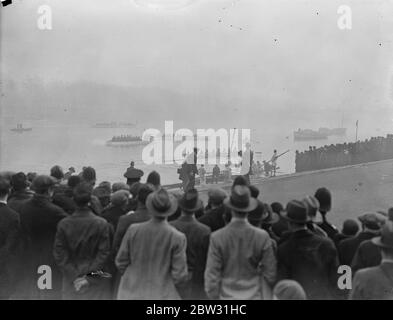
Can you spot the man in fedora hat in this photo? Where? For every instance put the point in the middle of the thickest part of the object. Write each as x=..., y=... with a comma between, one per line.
x=152, y=256
x=377, y=282
x=312, y=205
x=241, y=261
x=306, y=257
x=197, y=235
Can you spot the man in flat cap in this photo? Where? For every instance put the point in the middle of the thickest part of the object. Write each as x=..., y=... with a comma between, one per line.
x=377, y=282
x=371, y=225
x=368, y=254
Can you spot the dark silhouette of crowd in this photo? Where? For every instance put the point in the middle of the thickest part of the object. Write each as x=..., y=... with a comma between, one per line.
x=343, y=154
x=76, y=239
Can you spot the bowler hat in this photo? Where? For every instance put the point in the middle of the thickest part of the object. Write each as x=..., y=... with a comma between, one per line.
x=160, y=203
x=296, y=211
x=240, y=199
x=190, y=201
x=386, y=238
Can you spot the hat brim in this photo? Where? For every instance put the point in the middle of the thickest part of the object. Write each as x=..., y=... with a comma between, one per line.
x=252, y=205
x=274, y=218
x=284, y=214
x=198, y=206
x=171, y=210
x=378, y=242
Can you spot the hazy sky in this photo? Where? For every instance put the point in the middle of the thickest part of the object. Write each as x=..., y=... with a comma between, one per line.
x=255, y=53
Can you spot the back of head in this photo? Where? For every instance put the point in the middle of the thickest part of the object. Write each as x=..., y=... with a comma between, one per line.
x=372, y=220
x=82, y=194
x=106, y=185
x=31, y=176
x=7, y=175
x=154, y=178
x=4, y=187
x=57, y=172
x=134, y=189
x=216, y=196
x=42, y=184
x=240, y=181
x=144, y=191
x=73, y=181
x=289, y=290
x=120, y=186
x=350, y=227
x=89, y=175
x=324, y=197
x=277, y=207
x=19, y=181
x=120, y=198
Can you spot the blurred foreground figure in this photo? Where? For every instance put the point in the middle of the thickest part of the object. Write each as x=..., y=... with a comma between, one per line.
x=288, y=290
x=241, y=262
x=39, y=218
x=9, y=232
x=81, y=249
x=306, y=257
x=152, y=256
x=197, y=235
x=377, y=282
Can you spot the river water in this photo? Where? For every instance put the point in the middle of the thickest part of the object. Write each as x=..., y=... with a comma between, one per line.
x=78, y=146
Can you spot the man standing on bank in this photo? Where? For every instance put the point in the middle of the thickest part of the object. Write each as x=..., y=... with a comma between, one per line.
x=132, y=174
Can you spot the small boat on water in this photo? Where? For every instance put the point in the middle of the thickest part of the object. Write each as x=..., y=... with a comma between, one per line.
x=126, y=140
x=308, y=134
x=19, y=128
x=114, y=124
x=333, y=132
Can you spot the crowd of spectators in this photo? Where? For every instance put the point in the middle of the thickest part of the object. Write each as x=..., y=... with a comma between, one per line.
x=137, y=240
x=343, y=154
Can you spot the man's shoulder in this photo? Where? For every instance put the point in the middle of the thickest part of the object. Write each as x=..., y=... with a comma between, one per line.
x=9, y=212
x=367, y=244
x=371, y=273
x=347, y=242
x=202, y=227
x=127, y=218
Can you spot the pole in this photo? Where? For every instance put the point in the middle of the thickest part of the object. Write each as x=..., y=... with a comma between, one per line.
x=357, y=124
